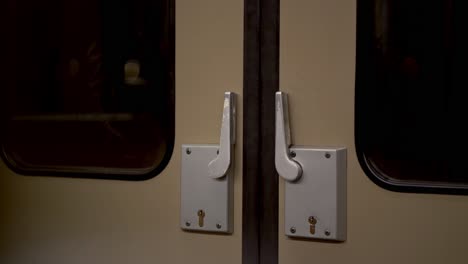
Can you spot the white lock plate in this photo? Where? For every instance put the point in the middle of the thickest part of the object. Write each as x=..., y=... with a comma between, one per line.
x=319, y=193
x=201, y=192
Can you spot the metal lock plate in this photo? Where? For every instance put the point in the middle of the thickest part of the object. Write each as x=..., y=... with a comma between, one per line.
x=207, y=178
x=202, y=196
x=315, y=183
x=315, y=204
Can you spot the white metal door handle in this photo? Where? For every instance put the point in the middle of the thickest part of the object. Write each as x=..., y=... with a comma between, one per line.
x=315, y=187
x=287, y=168
x=207, y=178
x=218, y=167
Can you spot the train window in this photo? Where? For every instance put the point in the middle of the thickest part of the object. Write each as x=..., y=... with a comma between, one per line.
x=411, y=106
x=87, y=87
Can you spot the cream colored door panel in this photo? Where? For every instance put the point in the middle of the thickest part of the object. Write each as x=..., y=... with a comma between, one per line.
x=63, y=220
x=317, y=67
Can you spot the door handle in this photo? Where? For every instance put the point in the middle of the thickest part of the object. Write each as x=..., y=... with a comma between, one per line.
x=287, y=168
x=218, y=167
x=315, y=187
x=207, y=179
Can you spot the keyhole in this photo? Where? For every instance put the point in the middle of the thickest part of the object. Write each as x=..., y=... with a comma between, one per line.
x=312, y=222
x=201, y=216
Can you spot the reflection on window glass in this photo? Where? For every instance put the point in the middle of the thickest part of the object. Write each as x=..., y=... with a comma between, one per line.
x=410, y=92
x=89, y=86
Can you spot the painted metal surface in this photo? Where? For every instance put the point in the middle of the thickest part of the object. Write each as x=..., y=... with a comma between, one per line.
x=63, y=220
x=315, y=183
x=317, y=70
x=287, y=168
x=319, y=194
x=206, y=203
x=220, y=165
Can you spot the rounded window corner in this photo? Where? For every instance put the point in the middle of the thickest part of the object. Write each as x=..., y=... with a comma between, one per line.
x=88, y=173
x=379, y=178
x=96, y=97
x=409, y=92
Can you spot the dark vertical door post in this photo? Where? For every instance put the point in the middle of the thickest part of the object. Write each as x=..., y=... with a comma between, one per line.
x=260, y=181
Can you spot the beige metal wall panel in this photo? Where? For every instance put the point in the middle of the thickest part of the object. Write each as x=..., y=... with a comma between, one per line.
x=63, y=220
x=317, y=67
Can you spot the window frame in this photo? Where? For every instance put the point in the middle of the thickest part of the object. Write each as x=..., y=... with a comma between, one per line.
x=364, y=69
x=116, y=173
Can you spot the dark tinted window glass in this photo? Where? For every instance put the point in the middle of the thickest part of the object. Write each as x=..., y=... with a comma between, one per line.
x=411, y=93
x=87, y=86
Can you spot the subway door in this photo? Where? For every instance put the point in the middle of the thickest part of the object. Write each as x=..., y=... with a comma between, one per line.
x=317, y=71
x=77, y=216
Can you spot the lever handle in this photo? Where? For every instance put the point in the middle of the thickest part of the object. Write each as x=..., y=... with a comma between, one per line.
x=287, y=168
x=218, y=167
